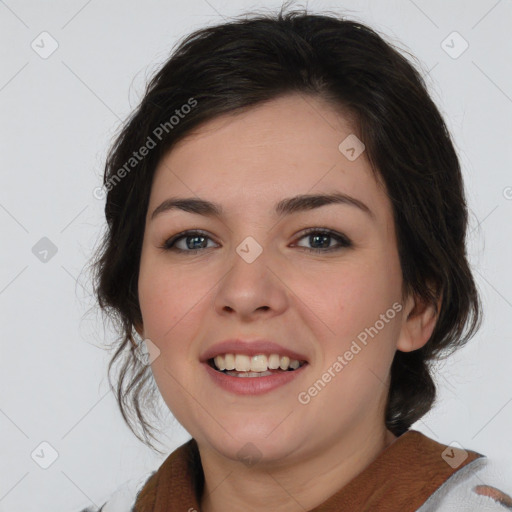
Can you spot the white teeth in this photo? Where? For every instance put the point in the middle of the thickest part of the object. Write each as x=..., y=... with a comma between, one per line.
x=273, y=361
x=229, y=361
x=242, y=363
x=294, y=364
x=258, y=363
x=219, y=362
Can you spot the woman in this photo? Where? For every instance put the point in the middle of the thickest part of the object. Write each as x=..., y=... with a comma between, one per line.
x=286, y=233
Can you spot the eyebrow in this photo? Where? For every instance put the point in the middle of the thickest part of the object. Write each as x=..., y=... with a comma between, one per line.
x=286, y=206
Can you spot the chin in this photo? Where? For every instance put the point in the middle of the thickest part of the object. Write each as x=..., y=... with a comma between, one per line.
x=251, y=445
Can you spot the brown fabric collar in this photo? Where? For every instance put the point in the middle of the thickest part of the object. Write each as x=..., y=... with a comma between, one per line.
x=402, y=477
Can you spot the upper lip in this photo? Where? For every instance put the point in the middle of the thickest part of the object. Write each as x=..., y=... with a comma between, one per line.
x=250, y=348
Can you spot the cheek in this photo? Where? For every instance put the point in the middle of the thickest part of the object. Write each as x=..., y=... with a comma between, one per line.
x=170, y=303
x=167, y=296
x=351, y=294
x=356, y=302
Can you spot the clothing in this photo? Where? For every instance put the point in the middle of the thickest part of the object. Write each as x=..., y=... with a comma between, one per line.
x=413, y=474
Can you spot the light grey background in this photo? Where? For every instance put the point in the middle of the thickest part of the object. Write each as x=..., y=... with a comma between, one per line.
x=58, y=115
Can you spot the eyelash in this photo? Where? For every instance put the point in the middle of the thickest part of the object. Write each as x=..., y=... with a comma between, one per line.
x=342, y=240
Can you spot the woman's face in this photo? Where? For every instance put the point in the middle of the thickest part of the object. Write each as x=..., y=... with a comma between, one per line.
x=255, y=274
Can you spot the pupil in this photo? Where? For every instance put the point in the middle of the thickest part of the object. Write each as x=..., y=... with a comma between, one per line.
x=316, y=237
x=195, y=238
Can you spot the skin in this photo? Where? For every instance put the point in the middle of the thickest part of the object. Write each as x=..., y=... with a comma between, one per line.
x=315, y=303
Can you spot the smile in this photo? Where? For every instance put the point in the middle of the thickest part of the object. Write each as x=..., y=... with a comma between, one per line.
x=244, y=375
x=242, y=365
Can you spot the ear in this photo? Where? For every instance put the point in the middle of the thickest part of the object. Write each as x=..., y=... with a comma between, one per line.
x=419, y=320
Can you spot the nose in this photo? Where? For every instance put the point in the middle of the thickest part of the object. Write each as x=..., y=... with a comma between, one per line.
x=252, y=288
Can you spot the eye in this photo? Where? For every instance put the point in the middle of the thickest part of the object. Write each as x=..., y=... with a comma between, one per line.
x=322, y=237
x=316, y=236
x=197, y=242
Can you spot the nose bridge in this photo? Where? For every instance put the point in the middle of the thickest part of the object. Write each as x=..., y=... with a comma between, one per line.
x=249, y=264
x=251, y=236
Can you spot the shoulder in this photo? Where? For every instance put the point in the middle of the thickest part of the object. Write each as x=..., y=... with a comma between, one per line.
x=478, y=486
x=123, y=498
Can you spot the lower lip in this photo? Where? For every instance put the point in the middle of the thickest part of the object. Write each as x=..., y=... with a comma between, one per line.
x=252, y=385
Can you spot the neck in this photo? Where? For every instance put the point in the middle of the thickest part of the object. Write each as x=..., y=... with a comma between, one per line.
x=229, y=485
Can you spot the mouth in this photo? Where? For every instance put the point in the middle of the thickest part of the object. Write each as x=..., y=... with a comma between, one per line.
x=242, y=375
x=257, y=366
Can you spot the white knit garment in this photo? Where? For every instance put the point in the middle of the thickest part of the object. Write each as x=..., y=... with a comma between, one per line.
x=457, y=494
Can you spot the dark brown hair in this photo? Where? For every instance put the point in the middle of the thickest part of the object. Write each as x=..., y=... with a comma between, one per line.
x=233, y=66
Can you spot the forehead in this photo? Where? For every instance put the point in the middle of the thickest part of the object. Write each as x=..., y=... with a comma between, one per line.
x=287, y=146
